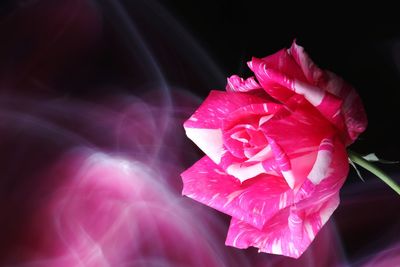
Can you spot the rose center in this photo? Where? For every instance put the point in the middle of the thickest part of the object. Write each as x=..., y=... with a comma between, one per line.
x=251, y=140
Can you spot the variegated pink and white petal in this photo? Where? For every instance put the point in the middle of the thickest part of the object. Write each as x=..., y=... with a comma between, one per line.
x=283, y=87
x=283, y=62
x=352, y=108
x=244, y=140
x=283, y=163
x=204, y=126
x=275, y=90
x=293, y=135
x=238, y=84
x=254, y=201
x=292, y=230
x=289, y=233
x=327, y=175
x=250, y=114
x=311, y=71
x=322, y=162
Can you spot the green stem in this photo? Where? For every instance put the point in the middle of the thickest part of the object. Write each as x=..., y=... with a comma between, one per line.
x=359, y=160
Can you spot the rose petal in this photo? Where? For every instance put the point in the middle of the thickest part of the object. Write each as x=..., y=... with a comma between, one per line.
x=238, y=84
x=310, y=70
x=283, y=162
x=278, y=84
x=283, y=62
x=352, y=109
x=250, y=114
x=254, y=201
x=332, y=175
x=244, y=172
x=292, y=230
x=296, y=138
x=248, y=118
x=204, y=126
x=274, y=89
x=245, y=121
x=321, y=165
x=289, y=233
x=217, y=106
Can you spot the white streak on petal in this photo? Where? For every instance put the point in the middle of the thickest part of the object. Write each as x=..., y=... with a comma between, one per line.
x=321, y=166
x=326, y=213
x=244, y=173
x=219, y=172
x=313, y=94
x=237, y=136
x=208, y=140
x=232, y=196
x=282, y=201
x=289, y=177
x=236, y=239
x=276, y=247
x=264, y=119
x=309, y=230
x=214, y=197
x=262, y=155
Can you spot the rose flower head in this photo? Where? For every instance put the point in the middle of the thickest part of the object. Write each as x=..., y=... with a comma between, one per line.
x=275, y=148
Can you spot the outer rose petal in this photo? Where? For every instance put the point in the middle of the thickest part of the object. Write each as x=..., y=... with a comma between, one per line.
x=283, y=62
x=322, y=162
x=289, y=233
x=254, y=201
x=277, y=91
x=292, y=230
x=238, y=84
x=310, y=70
x=352, y=108
x=332, y=176
x=282, y=86
x=204, y=126
x=297, y=137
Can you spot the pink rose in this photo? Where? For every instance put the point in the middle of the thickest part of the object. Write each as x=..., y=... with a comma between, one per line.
x=275, y=148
